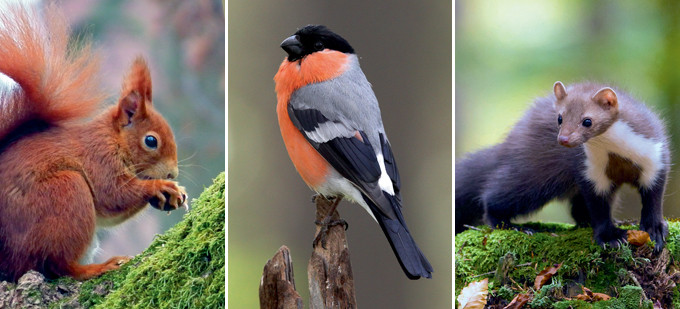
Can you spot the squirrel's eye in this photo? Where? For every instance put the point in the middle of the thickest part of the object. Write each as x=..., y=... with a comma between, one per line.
x=151, y=141
x=587, y=122
x=318, y=45
x=559, y=120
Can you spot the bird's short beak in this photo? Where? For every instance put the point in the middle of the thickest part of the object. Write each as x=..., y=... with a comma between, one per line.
x=293, y=47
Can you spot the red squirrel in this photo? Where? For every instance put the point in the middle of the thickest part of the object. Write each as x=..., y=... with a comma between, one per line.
x=64, y=170
x=580, y=144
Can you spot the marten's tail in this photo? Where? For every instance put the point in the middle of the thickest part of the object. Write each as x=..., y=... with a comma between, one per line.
x=471, y=175
x=56, y=76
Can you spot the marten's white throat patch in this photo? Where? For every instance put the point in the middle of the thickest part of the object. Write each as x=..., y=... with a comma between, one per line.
x=621, y=140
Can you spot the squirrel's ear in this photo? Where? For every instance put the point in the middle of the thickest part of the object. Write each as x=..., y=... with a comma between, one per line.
x=136, y=93
x=131, y=106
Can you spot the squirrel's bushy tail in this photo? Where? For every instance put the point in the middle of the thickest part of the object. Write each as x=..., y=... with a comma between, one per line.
x=56, y=75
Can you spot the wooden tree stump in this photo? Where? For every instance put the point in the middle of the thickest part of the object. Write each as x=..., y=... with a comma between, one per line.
x=331, y=283
x=277, y=286
x=329, y=272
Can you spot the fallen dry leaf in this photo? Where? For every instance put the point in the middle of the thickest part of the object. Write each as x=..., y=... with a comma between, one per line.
x=519, y=301
x=589, y=296
x=583, y=297
x=587, y=291
x=473, y=296
x=600, y=296
x=545, y=275
x=638, y=238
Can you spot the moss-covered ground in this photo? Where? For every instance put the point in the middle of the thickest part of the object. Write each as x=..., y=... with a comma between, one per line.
x=183, y=268
x=617, y=272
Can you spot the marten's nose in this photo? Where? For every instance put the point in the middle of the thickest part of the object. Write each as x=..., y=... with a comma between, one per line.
x=564, y=140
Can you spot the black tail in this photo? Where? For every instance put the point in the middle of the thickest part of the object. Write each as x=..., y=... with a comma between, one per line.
x=471, y=176
x=412, y=260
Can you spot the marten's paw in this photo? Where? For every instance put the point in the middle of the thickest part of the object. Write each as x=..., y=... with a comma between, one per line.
x=658, y=230
x=613, y=236
x=169, y=197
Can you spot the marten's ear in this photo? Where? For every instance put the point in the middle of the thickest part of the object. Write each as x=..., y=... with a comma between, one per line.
x=559, y=90
x=136, y=93
x=606, y=97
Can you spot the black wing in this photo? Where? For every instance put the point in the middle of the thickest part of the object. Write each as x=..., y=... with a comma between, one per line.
x=347, y=150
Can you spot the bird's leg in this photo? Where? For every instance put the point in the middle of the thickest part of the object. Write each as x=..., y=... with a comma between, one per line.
x=328, y=221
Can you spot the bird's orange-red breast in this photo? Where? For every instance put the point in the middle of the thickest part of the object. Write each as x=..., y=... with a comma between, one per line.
x=292, y=75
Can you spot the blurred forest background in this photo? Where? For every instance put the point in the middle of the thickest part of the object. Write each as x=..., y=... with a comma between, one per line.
x=510, y=52
x=405, y=52
x=183, y=43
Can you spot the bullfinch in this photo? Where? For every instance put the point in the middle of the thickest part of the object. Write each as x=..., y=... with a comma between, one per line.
x=331, y=125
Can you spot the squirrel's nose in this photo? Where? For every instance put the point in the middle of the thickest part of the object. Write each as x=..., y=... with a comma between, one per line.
x=173, y=173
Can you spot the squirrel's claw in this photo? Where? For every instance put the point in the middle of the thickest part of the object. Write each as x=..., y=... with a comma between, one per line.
x=169, y=197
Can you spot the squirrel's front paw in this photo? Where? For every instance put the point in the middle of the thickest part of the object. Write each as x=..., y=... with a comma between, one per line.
x=115, y=262
x=170, y=197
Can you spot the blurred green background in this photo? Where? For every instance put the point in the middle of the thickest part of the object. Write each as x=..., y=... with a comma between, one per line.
x=183, y=43
x=510, y=52
x=405, y=52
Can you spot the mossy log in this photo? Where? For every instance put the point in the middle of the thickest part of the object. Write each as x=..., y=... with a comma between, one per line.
x=635, y=277
x=329, y=271
x=182, y=268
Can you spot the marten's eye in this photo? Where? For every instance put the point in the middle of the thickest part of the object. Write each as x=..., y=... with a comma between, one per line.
x=587, y=122
x=559, y=120
x=151, y=141
x=318, y=45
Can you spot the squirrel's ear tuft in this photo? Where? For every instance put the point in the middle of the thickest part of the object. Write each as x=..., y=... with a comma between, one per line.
x=136, y=93
x=138, y=79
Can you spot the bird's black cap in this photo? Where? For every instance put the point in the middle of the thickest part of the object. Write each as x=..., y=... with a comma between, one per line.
x=313, y=38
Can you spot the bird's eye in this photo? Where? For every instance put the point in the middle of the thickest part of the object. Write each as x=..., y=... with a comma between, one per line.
x=151, y=141
x=587, y=122
x=559, y=120
x=318, y=45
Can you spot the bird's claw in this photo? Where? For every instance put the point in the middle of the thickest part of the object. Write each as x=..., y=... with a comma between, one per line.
x=325, y=226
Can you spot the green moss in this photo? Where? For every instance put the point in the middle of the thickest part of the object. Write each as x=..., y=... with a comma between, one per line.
x=676, y=298
x=572, y=247
x=673, y=239
x=545, y=296
x=630, y=297
x=183, y=268
x=506, y=293
x=477, y=252
x=572, y=304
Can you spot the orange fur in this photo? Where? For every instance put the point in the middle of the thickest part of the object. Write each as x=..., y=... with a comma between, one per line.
x=314, y=68
x=60, y=83
x=58, y=181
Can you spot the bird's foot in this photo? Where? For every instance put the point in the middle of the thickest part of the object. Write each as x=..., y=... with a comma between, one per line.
x=325, y=225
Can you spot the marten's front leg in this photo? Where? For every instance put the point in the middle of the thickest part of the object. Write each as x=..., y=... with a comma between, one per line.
x=651, y=219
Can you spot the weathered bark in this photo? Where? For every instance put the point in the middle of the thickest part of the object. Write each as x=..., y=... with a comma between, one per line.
x=329, y=272
x=331, y=284
x=277, y=286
